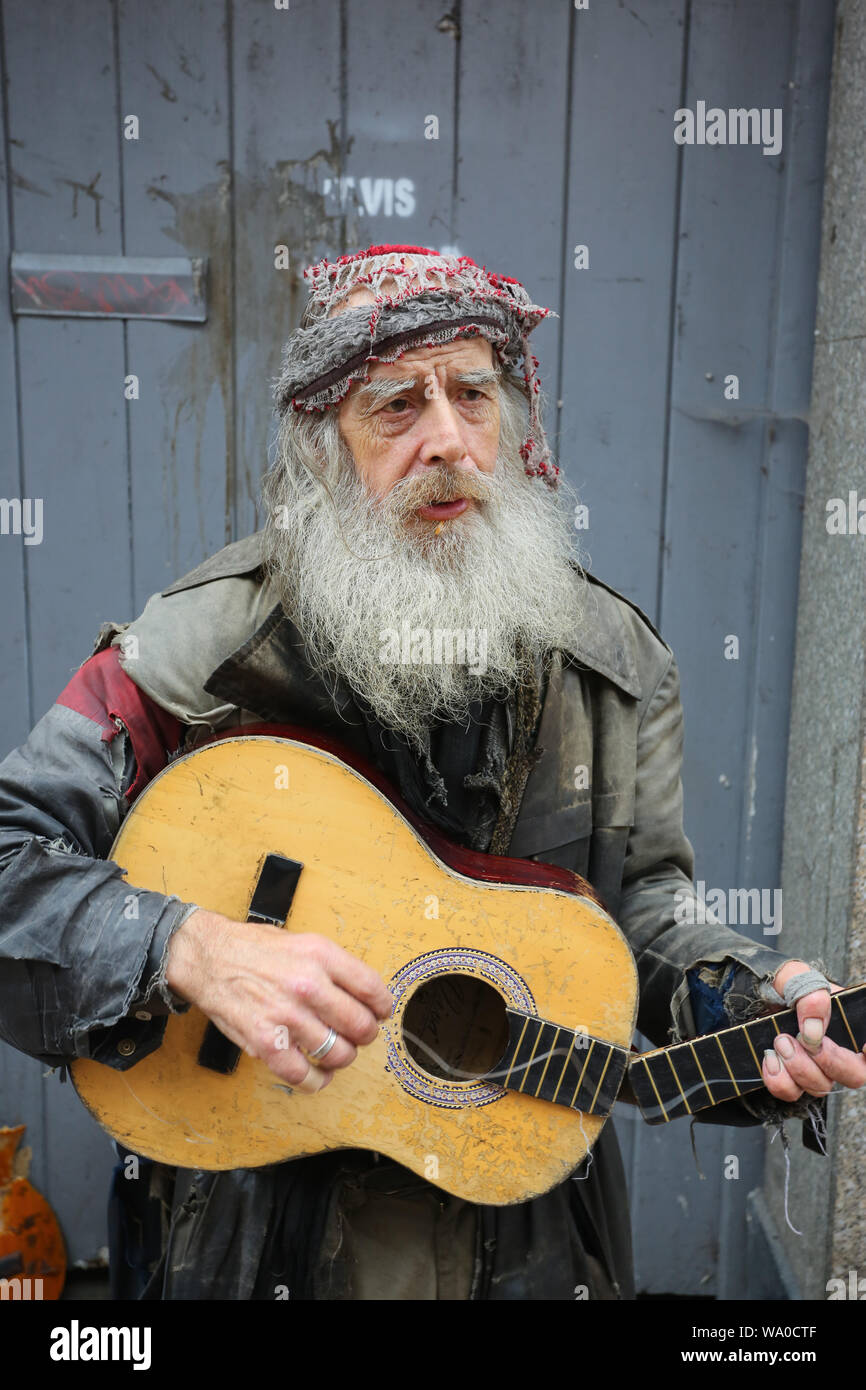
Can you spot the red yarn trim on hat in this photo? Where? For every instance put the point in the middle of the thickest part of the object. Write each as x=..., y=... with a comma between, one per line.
x=387, y=250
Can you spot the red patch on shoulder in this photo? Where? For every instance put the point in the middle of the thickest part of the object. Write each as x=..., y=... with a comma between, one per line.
x=102, y=691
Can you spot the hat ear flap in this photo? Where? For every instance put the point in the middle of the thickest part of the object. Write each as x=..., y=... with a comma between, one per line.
x=535, y=450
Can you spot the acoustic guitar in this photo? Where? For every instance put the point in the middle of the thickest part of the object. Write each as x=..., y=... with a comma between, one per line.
x=515, y=993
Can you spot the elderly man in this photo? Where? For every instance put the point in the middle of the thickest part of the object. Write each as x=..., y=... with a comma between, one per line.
x=412, y=488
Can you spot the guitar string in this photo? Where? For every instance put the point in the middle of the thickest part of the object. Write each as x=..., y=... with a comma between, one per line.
x=499, y=1071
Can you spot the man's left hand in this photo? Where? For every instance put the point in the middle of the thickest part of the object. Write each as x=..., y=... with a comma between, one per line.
x=810, y=1062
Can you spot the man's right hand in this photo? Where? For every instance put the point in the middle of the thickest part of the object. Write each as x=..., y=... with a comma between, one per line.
x=259, y=983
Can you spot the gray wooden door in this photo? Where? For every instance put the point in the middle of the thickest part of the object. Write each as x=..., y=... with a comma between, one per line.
x=310, y=127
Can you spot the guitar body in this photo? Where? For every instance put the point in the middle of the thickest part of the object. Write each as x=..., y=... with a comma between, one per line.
x=457, y=943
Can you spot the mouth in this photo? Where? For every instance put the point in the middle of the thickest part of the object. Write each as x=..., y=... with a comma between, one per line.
x=443, y=511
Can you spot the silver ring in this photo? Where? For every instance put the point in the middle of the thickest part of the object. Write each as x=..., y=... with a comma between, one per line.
x=325, y=1047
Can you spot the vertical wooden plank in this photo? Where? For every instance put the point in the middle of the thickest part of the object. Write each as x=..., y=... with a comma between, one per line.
x=66, y=198
x=20, y=1080
x=177, y=199
x=780, y=524
x=288, y=141
x=513, y=94
x=622, y=202
x=14, y=697
x=399, y=181
x=716, y=483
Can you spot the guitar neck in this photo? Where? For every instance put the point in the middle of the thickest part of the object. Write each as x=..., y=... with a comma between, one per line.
x=691, y=1076
x=568, y=1067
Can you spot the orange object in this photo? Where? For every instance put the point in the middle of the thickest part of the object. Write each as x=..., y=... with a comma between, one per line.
x=32, y=1253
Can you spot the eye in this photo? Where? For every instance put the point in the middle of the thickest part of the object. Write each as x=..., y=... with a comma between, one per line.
x=475, y=393
x=398, y=404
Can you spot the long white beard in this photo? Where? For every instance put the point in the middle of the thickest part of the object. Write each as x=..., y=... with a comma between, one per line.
x=421, y=625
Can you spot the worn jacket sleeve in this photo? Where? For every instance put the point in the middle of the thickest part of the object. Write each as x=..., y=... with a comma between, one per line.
x=81, y=950
x=657, y=910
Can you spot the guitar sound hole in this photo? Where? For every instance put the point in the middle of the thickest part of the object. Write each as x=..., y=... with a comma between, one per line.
x=455, y=1027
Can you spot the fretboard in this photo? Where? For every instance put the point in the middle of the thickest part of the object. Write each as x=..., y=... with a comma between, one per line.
x=558, y=1064
x=691, y=1076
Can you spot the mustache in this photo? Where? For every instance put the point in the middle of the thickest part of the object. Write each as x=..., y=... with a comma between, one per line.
x=439, y=484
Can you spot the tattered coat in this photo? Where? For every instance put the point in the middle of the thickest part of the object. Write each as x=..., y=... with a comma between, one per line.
x=78, y=973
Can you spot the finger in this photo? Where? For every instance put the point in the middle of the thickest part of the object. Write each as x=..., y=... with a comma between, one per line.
x=813, y=1018
x=776, y=1078
x=801, y=1067
x=841, y=1065
x=315, y=1080
x=292, y=1067
x=307, y=1032
x=359, y=980
x=318, y=997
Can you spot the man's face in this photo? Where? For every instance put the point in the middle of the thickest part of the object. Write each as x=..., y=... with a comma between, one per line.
x=436, y=408
x=369, y=553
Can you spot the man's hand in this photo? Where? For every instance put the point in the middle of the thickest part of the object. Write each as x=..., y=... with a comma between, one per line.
x=810, y=1062
x=275, y=992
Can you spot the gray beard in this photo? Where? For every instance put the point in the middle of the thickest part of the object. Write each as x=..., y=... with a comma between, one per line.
x=422, y=625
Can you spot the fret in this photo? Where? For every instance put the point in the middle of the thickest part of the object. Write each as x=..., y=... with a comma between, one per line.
x=727, y=1064
x=551, y=1053
x=591, y=1105
x=844, y=1016
x=539, y=1062
x=693, y=1051
x=762, y=1033
x=642, y=1095
x=580, y=1078
x=507, y=1076
x=574, y=1061
x=719, y=1081
x=593, y=1092
x=564, y=1066
x=528, y=1064
x=745, y=1032
x=691, y=1079
x=610, y=1085
x=848, y=1019
x=677, y=1080
x=741, y=1057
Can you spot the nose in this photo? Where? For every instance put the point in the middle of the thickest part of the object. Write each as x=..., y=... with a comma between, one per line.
x=442, y=442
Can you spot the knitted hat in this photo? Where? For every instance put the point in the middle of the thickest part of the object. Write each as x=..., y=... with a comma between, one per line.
x=435, y=298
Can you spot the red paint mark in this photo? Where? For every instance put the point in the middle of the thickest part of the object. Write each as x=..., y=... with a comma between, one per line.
x=73, y=292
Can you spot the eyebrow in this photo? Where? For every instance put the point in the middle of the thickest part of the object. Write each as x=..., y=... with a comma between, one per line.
x=375, y=393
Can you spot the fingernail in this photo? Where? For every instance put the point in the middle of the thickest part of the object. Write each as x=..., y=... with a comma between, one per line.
x=772, y=1062
x=812, y=1032
x=784, y=1045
